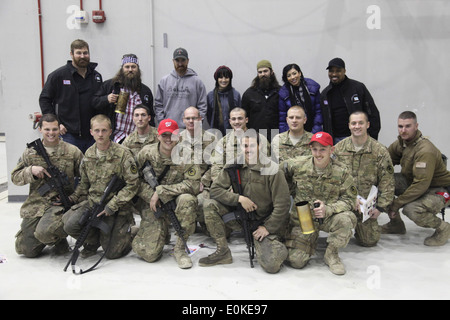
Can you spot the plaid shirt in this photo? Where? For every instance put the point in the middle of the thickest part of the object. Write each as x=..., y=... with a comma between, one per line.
x=124, y=122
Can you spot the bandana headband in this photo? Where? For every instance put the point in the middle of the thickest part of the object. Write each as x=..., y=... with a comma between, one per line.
x=130, y=59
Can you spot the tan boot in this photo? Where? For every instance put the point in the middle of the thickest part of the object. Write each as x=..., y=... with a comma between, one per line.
x=182, y=258
x=221, y=256
x=440, y=236
x=395, y=226
x=333, y=261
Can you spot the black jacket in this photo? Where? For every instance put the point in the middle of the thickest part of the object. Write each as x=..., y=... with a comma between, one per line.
x=262, y=112
x=101, y=104
x=356, y=98
x=61, y=96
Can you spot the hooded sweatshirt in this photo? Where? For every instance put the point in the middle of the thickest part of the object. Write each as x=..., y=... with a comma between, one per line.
x=175, y=93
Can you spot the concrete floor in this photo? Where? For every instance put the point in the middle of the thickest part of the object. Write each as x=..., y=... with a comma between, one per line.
x=399, y=267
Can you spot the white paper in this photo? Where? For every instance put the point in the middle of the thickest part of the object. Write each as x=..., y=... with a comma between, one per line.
x=368, y=204
x=3, y=258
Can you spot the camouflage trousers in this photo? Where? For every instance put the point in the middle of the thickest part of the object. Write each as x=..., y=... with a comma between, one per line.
x=302, y=246
x=201, y=200
x=36, y=233
x=270, y=252
x=424, y=210
x=116, y=243
x=367, y=233
x=154, y=232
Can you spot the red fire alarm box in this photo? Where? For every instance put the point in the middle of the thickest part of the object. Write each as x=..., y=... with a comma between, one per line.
x=98, y=16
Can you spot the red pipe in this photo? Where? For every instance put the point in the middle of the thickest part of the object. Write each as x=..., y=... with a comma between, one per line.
x=41, y=42
x=100, y=4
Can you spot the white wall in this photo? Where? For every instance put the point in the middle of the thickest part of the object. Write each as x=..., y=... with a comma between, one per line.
x=403, y=63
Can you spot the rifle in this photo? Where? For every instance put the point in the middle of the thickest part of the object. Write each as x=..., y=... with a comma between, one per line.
x=91, y=220
x=57, y=180
x=168, y=207
x=247, y=219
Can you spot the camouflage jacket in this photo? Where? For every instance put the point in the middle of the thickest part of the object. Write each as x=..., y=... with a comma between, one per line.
x=197, y=151
x=422, y=165
x=179, y=179
x=67, y=158
x=97, y=172
x=335, y=187
x=372, y=165
x=283, y=149
x=133, y=143
x=265, y=185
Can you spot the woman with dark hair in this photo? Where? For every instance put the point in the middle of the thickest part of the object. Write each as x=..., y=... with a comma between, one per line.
x=300, y=91
x=222, y=100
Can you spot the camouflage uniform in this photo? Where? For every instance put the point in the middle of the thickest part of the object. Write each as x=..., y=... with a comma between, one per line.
x=42, y=222
x=196, y=151
x=228, y=149
x=283, y=149
x=182, y=183
x=423, y=173
x=135, y=145
x=372, y=165
x=96, y=173
x=336, y=188
x=270, y=192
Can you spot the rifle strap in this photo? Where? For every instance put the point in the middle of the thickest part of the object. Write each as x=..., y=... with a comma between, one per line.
x=163, y=174
x=106, y=250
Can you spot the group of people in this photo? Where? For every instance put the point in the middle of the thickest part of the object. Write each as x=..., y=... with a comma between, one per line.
x=325, y=153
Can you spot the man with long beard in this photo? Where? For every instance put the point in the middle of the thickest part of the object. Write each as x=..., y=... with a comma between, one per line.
x=261, y=99
x=127, y=86
x=68, y=94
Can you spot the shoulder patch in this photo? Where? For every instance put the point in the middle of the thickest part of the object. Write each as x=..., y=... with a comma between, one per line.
x=192, y=172
x=390, y=169
x=353, y=190
x=133, y=169
x=422, y=165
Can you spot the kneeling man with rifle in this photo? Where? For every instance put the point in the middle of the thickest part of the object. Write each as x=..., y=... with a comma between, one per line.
x=102, y=161
x=50, y=167
x=169, y=191
x=257, y=204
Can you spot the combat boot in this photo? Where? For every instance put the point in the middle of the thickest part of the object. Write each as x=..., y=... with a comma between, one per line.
x=88, y=250
x=221, y=256
x=182, y=258
x=61, y=247
x=440, y=236
x=333, y=261
x=395, y=226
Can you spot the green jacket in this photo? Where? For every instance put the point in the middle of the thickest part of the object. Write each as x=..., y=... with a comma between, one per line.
x=265, y=185
x=422, y=166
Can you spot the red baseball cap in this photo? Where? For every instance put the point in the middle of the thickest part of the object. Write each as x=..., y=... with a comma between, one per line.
x=168, y=125
x=323, y=138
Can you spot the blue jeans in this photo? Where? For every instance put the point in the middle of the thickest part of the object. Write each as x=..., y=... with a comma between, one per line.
x=82, y=143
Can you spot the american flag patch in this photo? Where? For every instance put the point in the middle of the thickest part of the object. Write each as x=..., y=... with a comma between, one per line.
x=66, y=82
